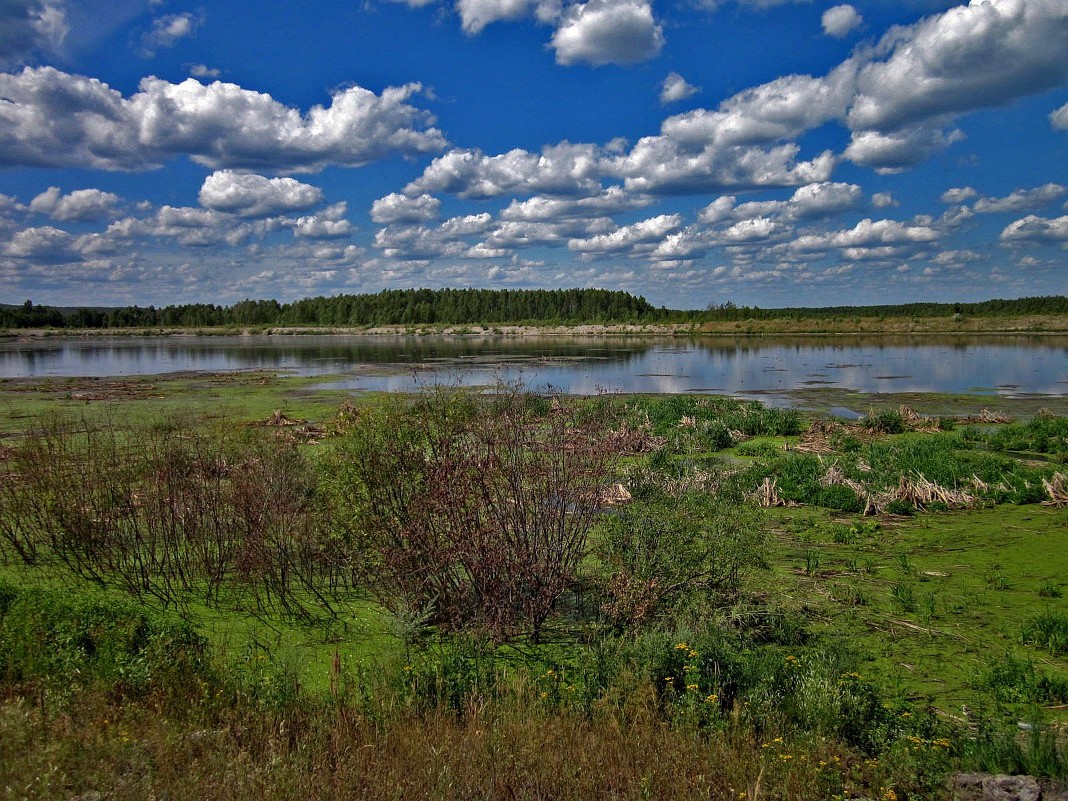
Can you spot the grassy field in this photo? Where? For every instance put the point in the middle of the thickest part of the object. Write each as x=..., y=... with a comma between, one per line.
x=740, y=628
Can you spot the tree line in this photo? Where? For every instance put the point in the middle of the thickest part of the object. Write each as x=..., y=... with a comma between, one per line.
x=479, y=306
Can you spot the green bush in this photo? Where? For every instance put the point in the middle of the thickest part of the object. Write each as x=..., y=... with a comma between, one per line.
x=1048, y=630
x=673, y=556
x=840, y=497
x=63, y=639
x=1013, y=679
x=889, y=422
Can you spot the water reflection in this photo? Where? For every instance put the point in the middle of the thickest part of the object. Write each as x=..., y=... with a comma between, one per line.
x=1002, y=365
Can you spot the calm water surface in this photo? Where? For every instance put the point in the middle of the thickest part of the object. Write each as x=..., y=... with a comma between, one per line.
x=990, y=365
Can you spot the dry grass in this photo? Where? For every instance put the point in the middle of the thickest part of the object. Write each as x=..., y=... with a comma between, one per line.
x=133, y=752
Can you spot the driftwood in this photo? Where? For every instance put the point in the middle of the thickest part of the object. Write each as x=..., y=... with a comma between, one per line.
x=918, y=490
x=767, y=494
x=301, y=431
x=615, y=495
x=1057, y=488
x=986, y=416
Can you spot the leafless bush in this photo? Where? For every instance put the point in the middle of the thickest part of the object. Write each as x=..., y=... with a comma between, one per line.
x=476, y=508
x=172, y=512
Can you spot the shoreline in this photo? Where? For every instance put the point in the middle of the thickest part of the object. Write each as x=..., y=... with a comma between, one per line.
x=1039, y=325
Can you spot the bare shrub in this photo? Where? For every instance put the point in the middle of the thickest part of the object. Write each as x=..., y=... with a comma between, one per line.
x=476, y=509
x=172, y=512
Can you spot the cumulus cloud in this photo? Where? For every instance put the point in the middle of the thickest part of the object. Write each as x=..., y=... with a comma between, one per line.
x=44, y=243
x=558, y=169
x=317, y=226
x=1059, y=118
x=983, y=54
x=644, y=232
x=823, y=199
x=27, y=26
x=660, y=165
x=675, y=88
x=1036, y=229
x=167, y=32
x=398, y=208
x=203, y=71
x=754, y=229
x=477, y=14
x=607, y=32
x=1021, y=199
x=961, y=194
x=78, y=206
x=883, y=200
x=890, y=152
x=899, y=98
x=219, y=125
x=869, y=234
x=539, y=208
x=250, y=195
x=760, y=5
x=839, y=21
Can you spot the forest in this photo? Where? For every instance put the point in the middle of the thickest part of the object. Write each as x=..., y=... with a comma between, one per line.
x=481, y=306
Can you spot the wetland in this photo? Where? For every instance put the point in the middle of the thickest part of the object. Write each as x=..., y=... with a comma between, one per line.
x=847, y=583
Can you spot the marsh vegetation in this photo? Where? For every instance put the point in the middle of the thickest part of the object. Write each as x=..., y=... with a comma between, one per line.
x=508, y=594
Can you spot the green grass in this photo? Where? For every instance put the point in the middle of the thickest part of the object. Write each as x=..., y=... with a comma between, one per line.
x=944, y=595
x=245, y=396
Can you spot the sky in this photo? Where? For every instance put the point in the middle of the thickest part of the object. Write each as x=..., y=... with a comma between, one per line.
x=695, y=152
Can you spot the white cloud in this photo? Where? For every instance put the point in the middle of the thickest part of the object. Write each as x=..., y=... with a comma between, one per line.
x=892, y=151
x=675, y=88
x=899, y=98
x=756, y=229
x=167, y=32
x=78, y=206
x=607, y=32
x=838, y=21
x=760, y=5
x=539, y=208
x=661, y=165
x=985, y=53
x=317, y=226
x=1059, y=118
x=822, y=200
x=203, y=71
x=962, y=194
x=1037, y=229
x=719, y=210
x=250, y=195
x=1021, y=199
x=868, y=234
x=558, y=169
x=27, y=26
x=477, y=14
x=45, y=243
x=466, y=225
x=647, y=231
x=398, y=208
x=883, y=200
x=218, y=125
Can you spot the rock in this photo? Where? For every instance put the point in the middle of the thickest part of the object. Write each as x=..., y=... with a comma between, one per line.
x=968, y=787
x=1011, y=788
x=1053, y=791
x=984, y=787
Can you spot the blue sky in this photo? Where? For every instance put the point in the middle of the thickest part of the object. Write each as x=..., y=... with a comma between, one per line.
x=769, y=152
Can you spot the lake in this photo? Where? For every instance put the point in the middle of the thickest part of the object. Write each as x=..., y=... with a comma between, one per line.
x=1001, y=365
